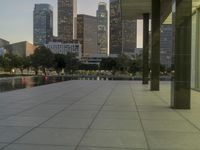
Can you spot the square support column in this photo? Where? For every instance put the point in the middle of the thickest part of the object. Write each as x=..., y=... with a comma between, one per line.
x=181, y=78
x=145, y=75
x=155, y=52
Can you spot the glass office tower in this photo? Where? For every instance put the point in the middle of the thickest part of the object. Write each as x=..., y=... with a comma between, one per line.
x=42, y=24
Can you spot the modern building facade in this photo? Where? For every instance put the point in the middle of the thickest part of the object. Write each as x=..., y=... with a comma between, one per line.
x=166, y=45
x=67, y=15
x=102, y=29
x=3, y=42
x=129, y=36
x=115, y=27
x=22, y=49
x=123, y=32
x=42, y=24
x=64, y=48
x=87, y=34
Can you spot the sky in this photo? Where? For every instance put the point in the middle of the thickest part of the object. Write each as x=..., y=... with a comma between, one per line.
x=16, y=17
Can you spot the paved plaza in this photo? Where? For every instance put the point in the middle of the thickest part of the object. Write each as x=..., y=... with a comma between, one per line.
x=97, y=115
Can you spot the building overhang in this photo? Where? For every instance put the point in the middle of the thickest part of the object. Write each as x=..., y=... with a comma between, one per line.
x=134, y=9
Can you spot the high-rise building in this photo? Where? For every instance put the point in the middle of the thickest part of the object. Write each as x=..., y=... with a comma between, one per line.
x=115, y=27
x=87, y=34
x=67, y=15
x=42, y=24
x=102, y=30
x=129, y=36
x=3, y=42
x=166, y=45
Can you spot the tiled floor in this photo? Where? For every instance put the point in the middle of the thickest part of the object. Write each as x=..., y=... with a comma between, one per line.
x=97, y=115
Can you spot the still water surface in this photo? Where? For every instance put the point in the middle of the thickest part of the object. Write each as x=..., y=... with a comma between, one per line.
x=9, y=84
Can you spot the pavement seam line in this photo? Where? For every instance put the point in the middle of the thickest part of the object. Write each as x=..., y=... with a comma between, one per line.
x=179, y=113
x=144, y=132
x=12, y=142
x=34, y=105
x=100, y=109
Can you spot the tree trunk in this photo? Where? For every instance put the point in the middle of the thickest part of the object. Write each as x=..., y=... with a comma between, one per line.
x=36, y=72
x=22, y=71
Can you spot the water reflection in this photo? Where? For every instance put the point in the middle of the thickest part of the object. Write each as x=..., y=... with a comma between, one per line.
x=27, y=82
x=8, y=84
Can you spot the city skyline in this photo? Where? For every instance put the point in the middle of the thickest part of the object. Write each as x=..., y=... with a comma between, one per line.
x=22, y=17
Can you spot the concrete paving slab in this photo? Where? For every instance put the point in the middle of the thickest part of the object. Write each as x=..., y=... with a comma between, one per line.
x=38, y=147
x=75, y=123
x=2, y=145
x=117, y=124
x=103, y=148
x=90, y=107
x=77, y=114
x=174, y=140
x=168, y=125
x=128, y=108
x=3, y=117
x=70, y=107
x=52, y=136
x=9, y=112
x=118, y=115
x=8, y=134
x=154, y=108
x=92, y=101
x=160, y=115
x=22, y=121
x=109, y=138
x=38, y=112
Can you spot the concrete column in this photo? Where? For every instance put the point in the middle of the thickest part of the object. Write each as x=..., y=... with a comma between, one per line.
x=145, y=76
x=197, y=50
x=155, y=52
x=181, y=78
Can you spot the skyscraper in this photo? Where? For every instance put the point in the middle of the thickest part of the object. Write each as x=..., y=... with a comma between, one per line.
x=115, y=27
x=129, y=36
x=166, y=45
x=102, y=29
x=67, y=15
x=87, y=34
x=42, y=24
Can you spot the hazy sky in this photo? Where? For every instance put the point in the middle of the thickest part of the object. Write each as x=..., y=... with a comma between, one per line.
x=16, y=17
